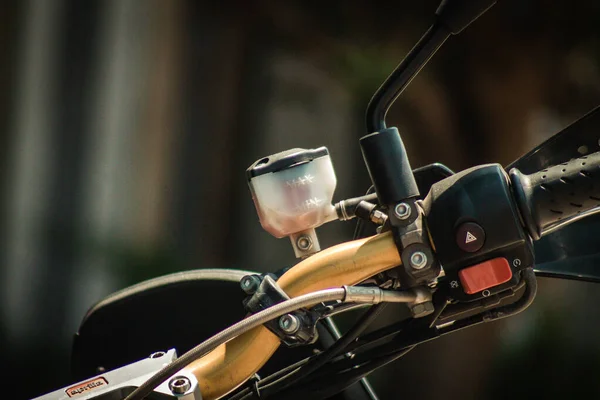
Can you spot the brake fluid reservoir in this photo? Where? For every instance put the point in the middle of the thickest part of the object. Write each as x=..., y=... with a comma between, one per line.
x=293, y=190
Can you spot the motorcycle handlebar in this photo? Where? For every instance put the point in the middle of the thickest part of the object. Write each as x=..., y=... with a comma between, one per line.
x=544, y=198
x=231, y=364
x=557, y=194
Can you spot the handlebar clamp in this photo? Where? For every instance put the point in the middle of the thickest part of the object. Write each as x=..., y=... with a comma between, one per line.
x=294, y=329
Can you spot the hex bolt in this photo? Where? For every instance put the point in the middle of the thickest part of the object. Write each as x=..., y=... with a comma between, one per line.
x=250, y=284
x=304, y=243
x=402, y=211
x=422, y=309
x=180, y=385
x=378, y=217
x=158, y=354
x=289, y=324
x=418, y=260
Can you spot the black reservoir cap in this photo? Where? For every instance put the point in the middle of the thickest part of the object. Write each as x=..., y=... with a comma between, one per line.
x=284, y=160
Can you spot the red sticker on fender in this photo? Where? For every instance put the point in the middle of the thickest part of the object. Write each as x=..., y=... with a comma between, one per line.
x=86, y=386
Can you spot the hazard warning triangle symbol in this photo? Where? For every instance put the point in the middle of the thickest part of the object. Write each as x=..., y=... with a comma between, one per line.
x=470, y=238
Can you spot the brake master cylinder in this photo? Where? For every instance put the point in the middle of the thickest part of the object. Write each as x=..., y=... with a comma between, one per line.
x=292, y=192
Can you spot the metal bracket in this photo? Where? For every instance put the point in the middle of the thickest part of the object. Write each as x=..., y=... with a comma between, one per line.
x=305, y=243
x=118, y=383
x=419, y=265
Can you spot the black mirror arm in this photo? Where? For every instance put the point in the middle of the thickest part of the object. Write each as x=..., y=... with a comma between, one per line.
x=395, y=84
x=452, y=17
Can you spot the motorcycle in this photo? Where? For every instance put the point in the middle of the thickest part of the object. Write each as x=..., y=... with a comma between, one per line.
x=458, y=249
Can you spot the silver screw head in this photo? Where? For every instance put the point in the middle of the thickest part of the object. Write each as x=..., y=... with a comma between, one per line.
x=180, y=385
x=249, y=284
x=418, y=260
x=289, y=324
x=304, y=243
x=402, y=211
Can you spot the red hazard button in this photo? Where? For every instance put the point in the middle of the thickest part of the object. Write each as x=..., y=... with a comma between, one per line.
x=485, y=275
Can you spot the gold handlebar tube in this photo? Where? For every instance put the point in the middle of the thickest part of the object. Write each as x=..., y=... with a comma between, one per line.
x=231, y=364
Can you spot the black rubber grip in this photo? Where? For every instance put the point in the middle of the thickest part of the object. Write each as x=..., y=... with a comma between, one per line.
x=557, y=193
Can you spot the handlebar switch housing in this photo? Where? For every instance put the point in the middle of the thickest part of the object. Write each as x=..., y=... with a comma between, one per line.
x=477, y=197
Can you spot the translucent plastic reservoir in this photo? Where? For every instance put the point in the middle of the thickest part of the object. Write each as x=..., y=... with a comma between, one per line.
x=296, y=198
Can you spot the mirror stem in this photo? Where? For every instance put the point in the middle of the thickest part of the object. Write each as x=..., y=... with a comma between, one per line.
x=385, y=96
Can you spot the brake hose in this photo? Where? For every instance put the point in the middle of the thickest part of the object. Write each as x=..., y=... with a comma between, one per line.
x=346, y=294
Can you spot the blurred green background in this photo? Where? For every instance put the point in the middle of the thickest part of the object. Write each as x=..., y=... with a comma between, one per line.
x=127, y=125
